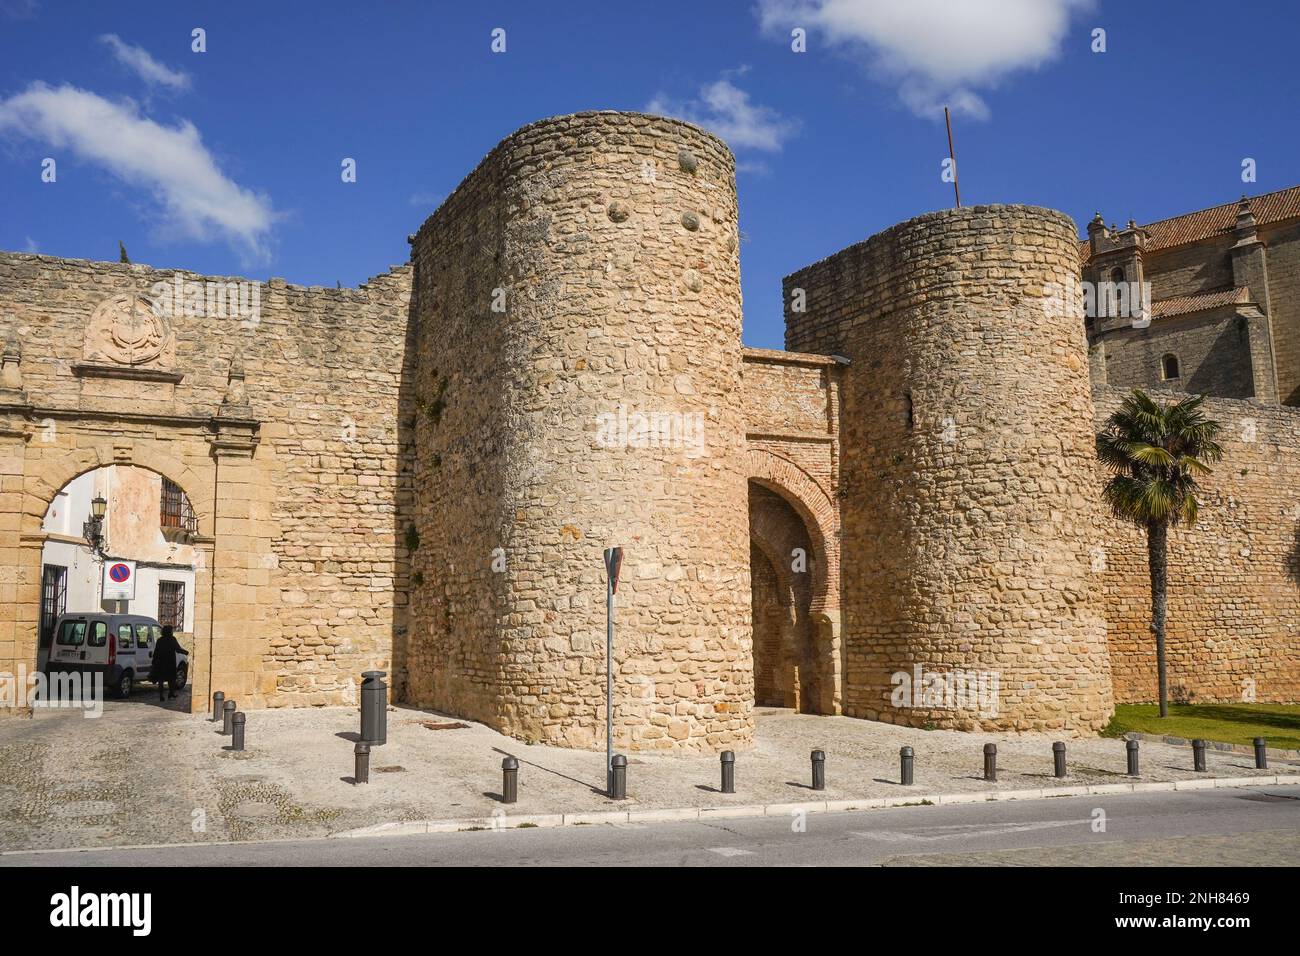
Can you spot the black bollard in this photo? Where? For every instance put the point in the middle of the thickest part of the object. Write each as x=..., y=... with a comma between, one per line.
x=991, y=762
x=819, y=769
x=728, y=760
x=1261, y=753
x=1058, y=758
x=509, y=780
x=218, y=699
x=362, y=772
x=1132, y=748
x=618, y=786
x=1198, y=755
x=237, y=731
x=228, y=712
x=374, y=708
x=906, y=758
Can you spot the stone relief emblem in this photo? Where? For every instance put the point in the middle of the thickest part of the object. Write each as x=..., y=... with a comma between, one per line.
x=126, y=329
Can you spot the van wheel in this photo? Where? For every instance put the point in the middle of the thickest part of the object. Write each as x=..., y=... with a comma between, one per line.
x=124, y=685
x=182, y=675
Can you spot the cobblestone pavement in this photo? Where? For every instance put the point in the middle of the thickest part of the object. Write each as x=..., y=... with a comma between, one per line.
x=144, y=774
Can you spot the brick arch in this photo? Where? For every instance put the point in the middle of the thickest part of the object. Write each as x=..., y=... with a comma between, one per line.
x=818, y=512
x=820, y=518
x=55, y=472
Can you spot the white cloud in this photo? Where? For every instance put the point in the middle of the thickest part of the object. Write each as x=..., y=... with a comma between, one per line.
x=195, y=199
x=31, y=245
x=725, y=109
x=139, y=61
x=938, y=52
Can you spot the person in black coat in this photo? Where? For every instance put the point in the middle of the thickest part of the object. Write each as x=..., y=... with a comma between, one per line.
x=163, y=672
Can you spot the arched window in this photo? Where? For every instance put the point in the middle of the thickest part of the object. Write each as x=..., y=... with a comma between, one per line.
x=1169, y=366
x=1117, y=297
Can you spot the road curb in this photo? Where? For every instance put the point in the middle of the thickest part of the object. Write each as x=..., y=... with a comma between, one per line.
x=504, y=821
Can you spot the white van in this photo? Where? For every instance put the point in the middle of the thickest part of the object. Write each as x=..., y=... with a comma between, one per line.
x=120, y=646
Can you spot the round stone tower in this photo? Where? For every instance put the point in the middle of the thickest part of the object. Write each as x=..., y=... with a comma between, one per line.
x=577, y=386
x=971, y=519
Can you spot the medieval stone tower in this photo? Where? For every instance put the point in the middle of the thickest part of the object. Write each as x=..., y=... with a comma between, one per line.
x=578, y=386
x=969, y=486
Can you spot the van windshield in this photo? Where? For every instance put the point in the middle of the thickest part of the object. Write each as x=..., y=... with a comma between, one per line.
x=73, y=633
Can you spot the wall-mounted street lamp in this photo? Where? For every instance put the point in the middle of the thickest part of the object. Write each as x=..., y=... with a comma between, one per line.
x=94, y=530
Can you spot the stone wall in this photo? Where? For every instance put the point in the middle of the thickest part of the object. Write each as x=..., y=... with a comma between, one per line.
x=1282, y=243
x=1191, y=269
x=1212, y=347
x=559, y=369
x=282, y=429
x=1234, y=577
x=579, y=386
x=968, y=501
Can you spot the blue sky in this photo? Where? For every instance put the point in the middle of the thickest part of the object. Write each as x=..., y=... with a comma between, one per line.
x=228, y=161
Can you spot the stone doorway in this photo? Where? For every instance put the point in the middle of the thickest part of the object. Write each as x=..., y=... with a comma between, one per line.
x=789, y=671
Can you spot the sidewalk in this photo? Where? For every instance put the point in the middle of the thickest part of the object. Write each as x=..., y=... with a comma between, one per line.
x=144, y=775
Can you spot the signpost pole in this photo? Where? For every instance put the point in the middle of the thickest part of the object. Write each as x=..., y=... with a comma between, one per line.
x=613, y=560
x=609, y=687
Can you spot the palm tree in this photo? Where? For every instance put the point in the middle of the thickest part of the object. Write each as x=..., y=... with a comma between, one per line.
x=1155, y=451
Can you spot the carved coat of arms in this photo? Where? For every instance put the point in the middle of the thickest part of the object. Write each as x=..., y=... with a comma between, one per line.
x=127, y=330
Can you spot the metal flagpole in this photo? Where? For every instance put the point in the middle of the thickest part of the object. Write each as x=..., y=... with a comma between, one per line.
x=947, y=120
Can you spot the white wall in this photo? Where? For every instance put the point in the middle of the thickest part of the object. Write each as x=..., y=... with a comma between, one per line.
x=66, y=516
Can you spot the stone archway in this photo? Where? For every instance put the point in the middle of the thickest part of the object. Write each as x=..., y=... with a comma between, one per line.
x=798, y=654
x=205, y=461
x=49, y=471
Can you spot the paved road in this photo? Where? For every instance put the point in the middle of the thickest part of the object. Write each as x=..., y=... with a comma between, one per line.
x=1246, y=826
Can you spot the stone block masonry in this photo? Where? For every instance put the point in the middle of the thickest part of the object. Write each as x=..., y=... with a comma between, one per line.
x=281, y=428
x=968, y=501
x=420, y=475
x=584, y=276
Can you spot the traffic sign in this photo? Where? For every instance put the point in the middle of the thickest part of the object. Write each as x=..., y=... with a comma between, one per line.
x=119, y=580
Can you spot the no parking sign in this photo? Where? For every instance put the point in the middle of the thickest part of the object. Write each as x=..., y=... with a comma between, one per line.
x=119, y=580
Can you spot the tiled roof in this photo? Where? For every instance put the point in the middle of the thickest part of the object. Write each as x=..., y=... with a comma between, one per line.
x=1193, y=226
x=1184, y=304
